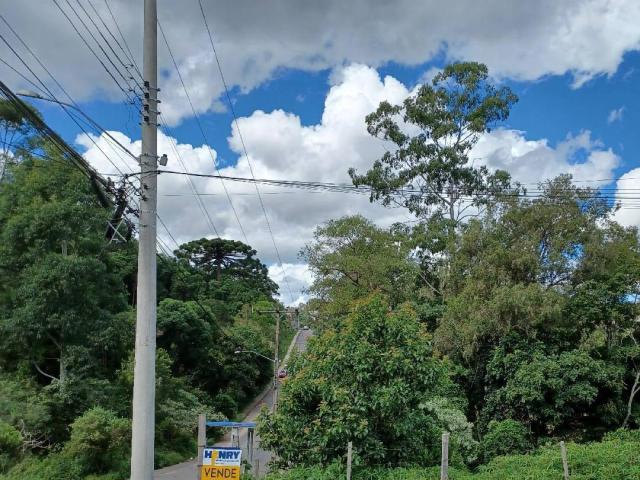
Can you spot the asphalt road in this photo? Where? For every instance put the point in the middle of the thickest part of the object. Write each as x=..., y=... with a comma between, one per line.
x=187, y=470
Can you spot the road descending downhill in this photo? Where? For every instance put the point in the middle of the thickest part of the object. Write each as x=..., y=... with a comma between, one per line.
x=187, y=470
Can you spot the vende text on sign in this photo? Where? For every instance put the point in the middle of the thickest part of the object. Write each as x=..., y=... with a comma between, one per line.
x=220, y=472
x=221, y=463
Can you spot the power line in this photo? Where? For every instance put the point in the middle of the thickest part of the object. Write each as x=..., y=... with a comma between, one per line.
x=346, y=188
x=236, y=194
x=110, y=47
x=102, y=187
x=121, y=195
x=244, y=147
x=201, y=204
x=175, y=64
x=20, y=149
x=23, y=76
x=49, y=134
x=124, y=40
x=91, y=49
x=126, y=66
x=66, y=150
x=50, y=93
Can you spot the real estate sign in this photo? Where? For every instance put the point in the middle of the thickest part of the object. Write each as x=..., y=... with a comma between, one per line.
x=221, y=463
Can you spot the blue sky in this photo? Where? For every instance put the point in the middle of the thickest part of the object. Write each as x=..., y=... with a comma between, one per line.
x=548, y=108
x=304, y=75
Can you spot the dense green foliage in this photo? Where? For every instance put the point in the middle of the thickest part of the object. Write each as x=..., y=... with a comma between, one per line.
x=375, y=382
x=510, y=321
x=529, y=304
x=450, y=114
x=616, y=458
x=505, y=436
x=67, y=314
x=351, y=257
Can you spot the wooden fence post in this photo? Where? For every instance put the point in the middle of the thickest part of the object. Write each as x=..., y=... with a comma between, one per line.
x=349, y=458
x=202, y=442
x=565, y=464
x=444, y=462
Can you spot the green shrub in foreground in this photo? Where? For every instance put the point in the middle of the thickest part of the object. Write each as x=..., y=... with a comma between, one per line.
x=505, y=437
x=53, y=467
x=100, y=441
x=10, y=443
x=616, y=458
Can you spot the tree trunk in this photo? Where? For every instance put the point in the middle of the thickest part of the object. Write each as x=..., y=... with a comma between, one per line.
x=218, y=268
x=63, y=368
x=634, y=390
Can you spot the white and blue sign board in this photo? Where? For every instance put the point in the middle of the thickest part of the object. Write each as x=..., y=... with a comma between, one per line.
x=221, y=463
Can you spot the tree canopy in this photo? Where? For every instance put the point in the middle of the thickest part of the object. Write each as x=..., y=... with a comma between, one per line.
x=67, y=310
x=428, y=169
x=351, y=257
x=374, y=383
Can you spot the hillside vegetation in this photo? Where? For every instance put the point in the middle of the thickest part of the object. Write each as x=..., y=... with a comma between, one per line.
x=504, y=314
x=67, y=315
x=615, y=458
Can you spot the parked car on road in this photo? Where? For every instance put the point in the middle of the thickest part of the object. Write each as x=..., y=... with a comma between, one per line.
x=282, y=373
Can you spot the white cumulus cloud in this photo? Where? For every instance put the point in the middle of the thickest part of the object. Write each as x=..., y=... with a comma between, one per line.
x=516, y=39
x=629, y=214
x=281, y=147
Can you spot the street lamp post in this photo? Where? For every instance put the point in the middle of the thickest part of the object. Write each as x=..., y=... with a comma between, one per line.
x=238, y=352
x=30, y=94
x=276, y=365
x=91, y=121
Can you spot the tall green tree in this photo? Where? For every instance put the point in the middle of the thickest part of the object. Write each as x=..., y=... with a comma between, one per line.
x=61, y=297
x=559, y=276
x=226, y=273
x=218, y=258
x=375, y=383
x=352, y=258
x=429, y=170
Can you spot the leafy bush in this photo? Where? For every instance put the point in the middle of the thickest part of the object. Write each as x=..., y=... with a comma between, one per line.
x=10, y=438
x=22, y=404
x=53, y=467
x=623, y=435
x=504, y=437
x=99, y=441
x=368, y=384
x=177, y=407
x=463, y=449
x=610, y=460
x=10, y=443
x=337, y=471
x=616, y=459
x=552, y=393
x=165, y=456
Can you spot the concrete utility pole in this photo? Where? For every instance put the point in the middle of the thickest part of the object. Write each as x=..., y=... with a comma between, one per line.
x=144, y=384
x=276, y=363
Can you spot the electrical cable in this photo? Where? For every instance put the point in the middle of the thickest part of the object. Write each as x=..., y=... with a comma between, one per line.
x=23, y=76
x=126, y=66
x=51, y=94
x=124, y=40
x=199, y=200
x=346, y=188
x=86, y=43
x=197, y=118
x=244, y=147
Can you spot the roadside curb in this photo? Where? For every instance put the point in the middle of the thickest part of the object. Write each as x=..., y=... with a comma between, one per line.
x=290, y=349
